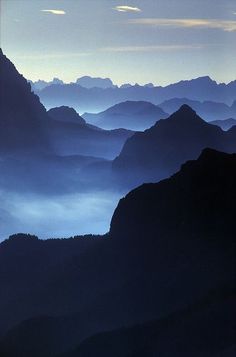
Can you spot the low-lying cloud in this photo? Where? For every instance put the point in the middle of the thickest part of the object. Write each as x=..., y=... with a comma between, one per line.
x=57, y=216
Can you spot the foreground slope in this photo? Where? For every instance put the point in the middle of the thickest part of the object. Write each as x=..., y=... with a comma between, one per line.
x=169, y=258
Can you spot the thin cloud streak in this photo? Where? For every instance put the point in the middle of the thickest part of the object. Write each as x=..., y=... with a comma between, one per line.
x=55, y=12
x=158, y=48
x=224, y=25
x=124, y=8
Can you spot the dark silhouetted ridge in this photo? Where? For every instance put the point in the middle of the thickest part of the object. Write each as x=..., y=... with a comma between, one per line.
x=22, y=114
x=198, y=200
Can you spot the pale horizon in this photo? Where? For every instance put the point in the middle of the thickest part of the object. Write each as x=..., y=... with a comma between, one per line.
x=139, y=42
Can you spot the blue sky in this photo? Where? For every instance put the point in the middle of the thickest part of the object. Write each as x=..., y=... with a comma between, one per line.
x=159, y=41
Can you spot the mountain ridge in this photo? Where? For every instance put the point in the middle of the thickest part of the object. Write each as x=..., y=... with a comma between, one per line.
x=159, y=151
x=132, y=115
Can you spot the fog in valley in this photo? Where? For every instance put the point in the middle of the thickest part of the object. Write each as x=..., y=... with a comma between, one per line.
x=57, y=216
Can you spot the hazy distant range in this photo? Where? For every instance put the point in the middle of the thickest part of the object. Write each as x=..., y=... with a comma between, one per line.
x=89, y=94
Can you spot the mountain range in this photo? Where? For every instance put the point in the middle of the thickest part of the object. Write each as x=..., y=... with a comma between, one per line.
x=161, y=282
x=36, y=144
x=85, y=81
x=158, y=152
x=99, y=99
x=27, y=126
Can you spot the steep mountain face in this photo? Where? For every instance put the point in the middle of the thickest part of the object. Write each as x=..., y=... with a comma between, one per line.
x=22, y=114
x=169, y=258
x=91, y=82
x=133, y=115
x=224, y=124
x=99, y=99
x=208, y=110
x=159, y=151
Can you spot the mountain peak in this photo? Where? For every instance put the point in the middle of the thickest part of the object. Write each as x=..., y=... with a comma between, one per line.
x=186, y=109
x=185, y=115
x=66, y=114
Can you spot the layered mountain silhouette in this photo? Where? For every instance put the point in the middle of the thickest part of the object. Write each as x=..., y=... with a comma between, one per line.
x=224, y=124
x=26, y=126
x=159, y=151
x=129, y=115
x=52, y=151
x=22, y=115
x=208, y=110
x=99, y=99
x=160, y=283
x=71, y=135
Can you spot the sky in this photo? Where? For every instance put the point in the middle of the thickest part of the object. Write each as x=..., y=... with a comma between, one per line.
x=158, y=41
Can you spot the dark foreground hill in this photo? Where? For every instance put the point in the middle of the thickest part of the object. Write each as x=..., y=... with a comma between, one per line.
x=160, y=283
x=159, y=151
